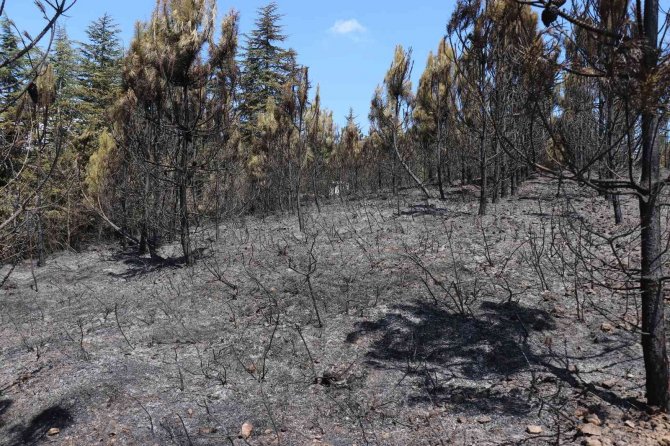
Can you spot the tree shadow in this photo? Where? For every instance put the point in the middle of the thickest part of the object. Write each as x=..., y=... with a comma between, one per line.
x=424, y=332
x=4, y=407
x=53, y=417
x=422, y=209
x=457, y=357
x=142, y=266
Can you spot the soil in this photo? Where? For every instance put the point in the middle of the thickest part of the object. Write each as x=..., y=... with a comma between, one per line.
x=434, y=327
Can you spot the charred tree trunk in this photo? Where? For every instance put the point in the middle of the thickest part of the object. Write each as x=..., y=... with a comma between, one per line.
x=183, y=186
x=651, y=282
x=496, y=173
x=653, y=316
x=483, y=180
x=144, y=234
x=438, y=152
x=503, y=178
x=463, y=174
x=315, y=189
x=614, y=198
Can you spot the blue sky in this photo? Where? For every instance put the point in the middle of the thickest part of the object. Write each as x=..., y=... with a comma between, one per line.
x=348, y=45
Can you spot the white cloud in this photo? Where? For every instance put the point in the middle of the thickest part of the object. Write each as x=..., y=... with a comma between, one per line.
x=351, y=26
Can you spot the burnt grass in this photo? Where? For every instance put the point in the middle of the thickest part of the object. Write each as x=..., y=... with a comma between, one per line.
x=438, y=327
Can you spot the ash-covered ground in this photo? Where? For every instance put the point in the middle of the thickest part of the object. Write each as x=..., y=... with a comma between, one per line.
x=388, y=322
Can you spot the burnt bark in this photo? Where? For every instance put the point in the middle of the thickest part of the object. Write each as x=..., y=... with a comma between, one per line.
x=651, y=281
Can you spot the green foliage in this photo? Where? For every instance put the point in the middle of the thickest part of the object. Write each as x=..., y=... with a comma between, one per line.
x=100, y=71
x=66, y=70
x=14, y=110
x=266, y=66
x=12, y=76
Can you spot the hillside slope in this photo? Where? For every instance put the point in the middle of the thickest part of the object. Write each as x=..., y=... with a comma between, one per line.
x=438, y=327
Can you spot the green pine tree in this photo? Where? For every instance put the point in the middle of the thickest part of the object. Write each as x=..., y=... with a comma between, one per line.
x=266, y=66
x=100, y=73
x=12, y=75
x=12, y=81
x=65, y=66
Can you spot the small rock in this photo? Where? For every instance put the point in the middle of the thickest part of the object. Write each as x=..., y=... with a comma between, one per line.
x=606, y=327
x=461, y=420
x=592, y=442
x=558, y=311
x=608, y=384
x=53, y=431
x=251, y=368
x=593, y=419
x=629, y=423
x=572, y=368
x=590, y=429
x=549, y=296
x=581, y=412
x=532, y=429
x=484, y=420
x=247, y=429
x=207, y=430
